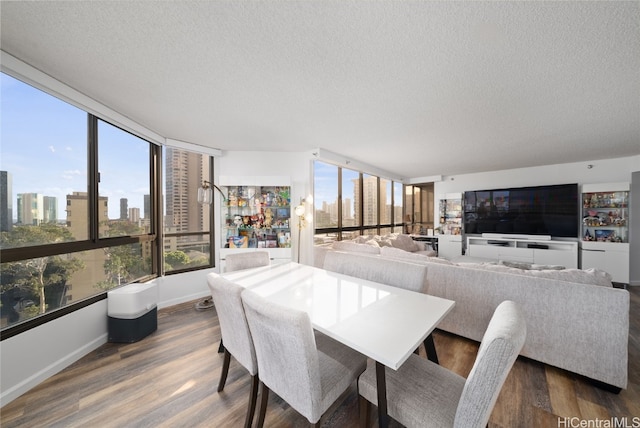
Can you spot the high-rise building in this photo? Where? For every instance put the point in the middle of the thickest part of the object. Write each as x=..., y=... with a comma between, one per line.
x=147, y=206
x=134, y=215
x=78, y=213
x=50, y=209
x=184, y=173
x=30, y=208
x=370, y=196
x=6, y=201
x=124, y=208
x=83, y=281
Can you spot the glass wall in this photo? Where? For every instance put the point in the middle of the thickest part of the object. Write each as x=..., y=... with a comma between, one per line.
x=350, y=203
x=80, y=209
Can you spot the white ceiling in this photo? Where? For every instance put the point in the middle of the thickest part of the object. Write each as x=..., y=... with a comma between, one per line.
x=417, y=88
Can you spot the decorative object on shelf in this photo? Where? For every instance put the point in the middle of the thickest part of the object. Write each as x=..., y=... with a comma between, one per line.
x=605, y=209
x=605, y=229
x=451, y=214
x=205, y=194
x=260, y=213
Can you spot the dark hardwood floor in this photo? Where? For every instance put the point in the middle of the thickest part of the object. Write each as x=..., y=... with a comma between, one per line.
x=169, y=379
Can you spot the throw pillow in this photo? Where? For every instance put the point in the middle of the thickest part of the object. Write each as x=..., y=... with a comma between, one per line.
x=517, y=265
x=404, y=242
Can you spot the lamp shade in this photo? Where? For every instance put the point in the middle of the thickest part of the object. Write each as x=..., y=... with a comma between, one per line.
x=205, y=195
x=299, y=210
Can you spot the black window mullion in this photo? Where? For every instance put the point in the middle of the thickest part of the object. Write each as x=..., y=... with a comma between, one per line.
x=339, y=203
x=155, y=205
x=93, y=176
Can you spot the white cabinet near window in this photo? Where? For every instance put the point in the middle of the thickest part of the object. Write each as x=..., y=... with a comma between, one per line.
x=609, y=257
x=449, y=246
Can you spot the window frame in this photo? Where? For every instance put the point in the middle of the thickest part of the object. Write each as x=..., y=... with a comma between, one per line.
x=341, y=230
x=211, y=232
x=93, y=241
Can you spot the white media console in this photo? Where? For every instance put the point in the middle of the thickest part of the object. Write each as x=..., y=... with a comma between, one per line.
x=523, y=248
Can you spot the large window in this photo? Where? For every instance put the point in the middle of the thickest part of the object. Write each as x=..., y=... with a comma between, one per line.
x=76, y=208
x=187, y=224
x=350, y=203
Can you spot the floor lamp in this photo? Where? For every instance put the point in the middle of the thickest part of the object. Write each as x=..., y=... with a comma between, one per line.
x=300, y=212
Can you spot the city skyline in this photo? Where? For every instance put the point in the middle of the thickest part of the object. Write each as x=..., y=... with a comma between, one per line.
x=43, y=145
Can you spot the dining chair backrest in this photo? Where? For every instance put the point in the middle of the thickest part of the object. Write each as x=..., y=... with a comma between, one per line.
x=286, y=352
x=401, y=274
x=500, y=346
x=233, y=322
x=246, y=260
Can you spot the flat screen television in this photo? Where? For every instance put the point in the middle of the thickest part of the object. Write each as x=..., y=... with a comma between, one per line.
x=542, y=210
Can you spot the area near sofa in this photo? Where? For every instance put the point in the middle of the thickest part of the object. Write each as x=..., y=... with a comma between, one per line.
x=576, y=319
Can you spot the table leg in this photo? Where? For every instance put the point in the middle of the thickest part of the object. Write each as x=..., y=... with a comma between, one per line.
x=383, y=417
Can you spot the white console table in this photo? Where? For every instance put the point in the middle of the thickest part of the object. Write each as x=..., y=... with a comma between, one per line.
x=544, y=252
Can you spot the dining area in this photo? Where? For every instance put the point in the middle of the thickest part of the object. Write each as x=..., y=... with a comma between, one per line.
x=171, y=378
x=309, y=334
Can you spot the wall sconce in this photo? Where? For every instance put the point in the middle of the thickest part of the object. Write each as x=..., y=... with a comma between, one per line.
x=302, y=221
x=205, y=194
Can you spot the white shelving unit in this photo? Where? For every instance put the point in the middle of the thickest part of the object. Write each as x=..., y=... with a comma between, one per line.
x=605, y=229
x=256, y=216
x=526, y=249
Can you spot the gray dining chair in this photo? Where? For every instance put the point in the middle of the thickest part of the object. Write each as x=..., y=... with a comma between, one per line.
x=423, y=394
x=398, y=273
x=310, y=372
x=235, y=334
x=246, y=260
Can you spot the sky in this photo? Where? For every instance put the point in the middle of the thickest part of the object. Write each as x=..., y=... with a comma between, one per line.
x=43, y=145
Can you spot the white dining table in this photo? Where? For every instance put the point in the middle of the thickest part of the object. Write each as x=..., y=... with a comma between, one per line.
x=383, y=322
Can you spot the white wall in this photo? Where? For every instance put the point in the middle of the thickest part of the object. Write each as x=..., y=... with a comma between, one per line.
x=295, y=165
x=603, y=171
x=634, y=232
x=31, y=357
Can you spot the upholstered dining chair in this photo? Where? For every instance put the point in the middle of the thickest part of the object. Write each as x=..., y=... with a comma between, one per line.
x=398, y=273
x=235, y=334
x=310, y=372
x=423, y=394
x=246, y=260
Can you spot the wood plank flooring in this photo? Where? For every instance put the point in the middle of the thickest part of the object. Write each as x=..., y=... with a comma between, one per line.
x=169, y=379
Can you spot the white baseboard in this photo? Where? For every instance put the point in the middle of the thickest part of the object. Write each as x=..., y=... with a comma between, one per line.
x=183, y=299
x=57, y=366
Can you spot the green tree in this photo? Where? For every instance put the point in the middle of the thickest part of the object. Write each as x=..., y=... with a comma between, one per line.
x=123, y=263
x=34, y=275
x=176, y=259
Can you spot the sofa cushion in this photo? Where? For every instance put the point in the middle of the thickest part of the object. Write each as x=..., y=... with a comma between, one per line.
x=354, y=247
x=586, y=276
x=420, y=256
x=580, y=276
x=529, y=266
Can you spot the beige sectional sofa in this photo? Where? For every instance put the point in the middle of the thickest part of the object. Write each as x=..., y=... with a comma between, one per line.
x=576, y=320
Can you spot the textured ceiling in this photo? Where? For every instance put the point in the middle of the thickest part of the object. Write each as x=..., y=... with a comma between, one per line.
x=416, y=88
